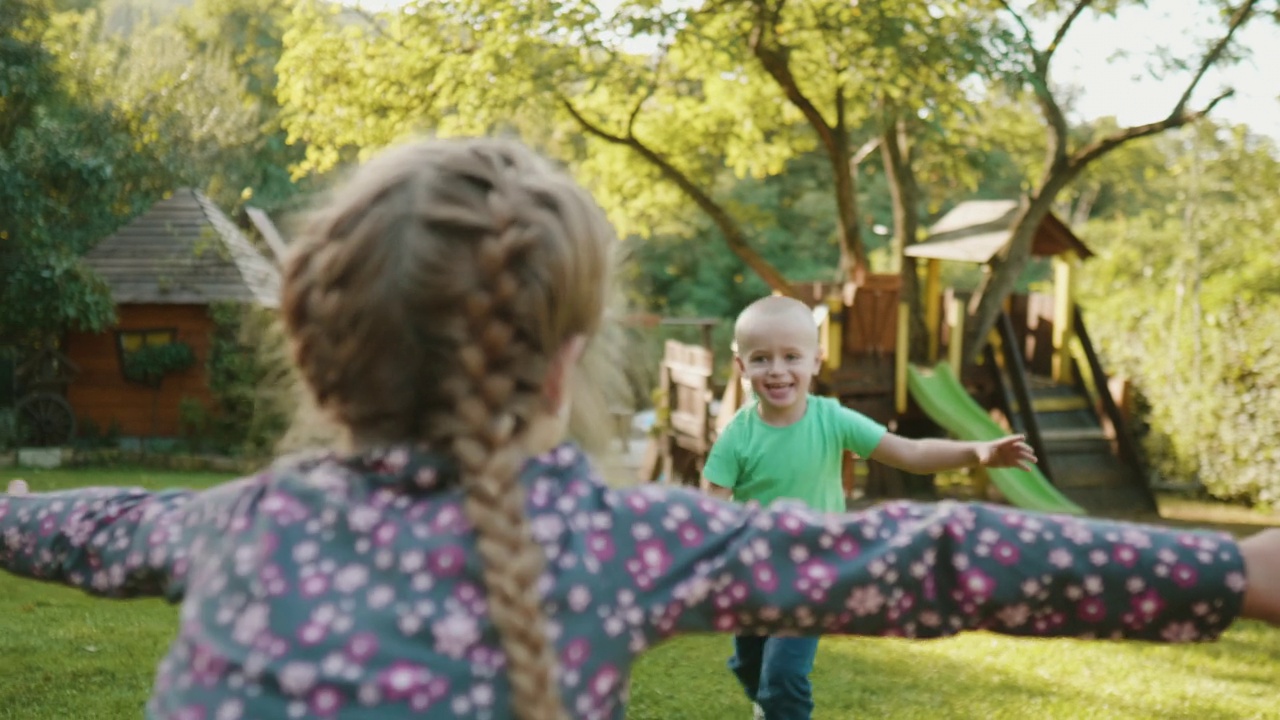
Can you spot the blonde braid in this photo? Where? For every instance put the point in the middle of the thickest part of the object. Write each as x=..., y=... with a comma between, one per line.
x=426, y=302
x=491, y=409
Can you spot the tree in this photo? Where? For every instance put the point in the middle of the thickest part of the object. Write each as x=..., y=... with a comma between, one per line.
x=1063, y=163
x=53, y=152
x=183, y=82
x=1183, y=297
x=250, y=37
x=747, y=84
x=354, y=82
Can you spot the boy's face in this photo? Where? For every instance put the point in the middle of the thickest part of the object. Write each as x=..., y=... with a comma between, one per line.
x=780, y=357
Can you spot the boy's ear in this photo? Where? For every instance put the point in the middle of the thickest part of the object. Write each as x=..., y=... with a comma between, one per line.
x=737, y=360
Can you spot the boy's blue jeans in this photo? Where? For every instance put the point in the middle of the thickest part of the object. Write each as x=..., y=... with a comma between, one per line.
x=775, y=673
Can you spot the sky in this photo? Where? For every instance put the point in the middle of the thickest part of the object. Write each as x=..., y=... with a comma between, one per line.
x=1121, y=87
x=1107, y=59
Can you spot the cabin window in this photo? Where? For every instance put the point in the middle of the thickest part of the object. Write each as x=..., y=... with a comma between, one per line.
x=129, y=342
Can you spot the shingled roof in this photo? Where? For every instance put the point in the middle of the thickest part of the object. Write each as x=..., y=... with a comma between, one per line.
x=974, y=231
x=184, y=250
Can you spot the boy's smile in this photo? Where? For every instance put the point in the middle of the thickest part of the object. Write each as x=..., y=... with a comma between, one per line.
x=778, y=354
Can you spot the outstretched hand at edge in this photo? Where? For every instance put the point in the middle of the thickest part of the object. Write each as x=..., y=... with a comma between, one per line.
x=1009, y=451
x=1261, y=553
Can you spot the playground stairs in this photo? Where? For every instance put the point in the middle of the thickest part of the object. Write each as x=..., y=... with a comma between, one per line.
x=1082, y=456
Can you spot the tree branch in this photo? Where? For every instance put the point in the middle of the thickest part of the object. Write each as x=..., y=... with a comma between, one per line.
x=376, y=24
x=775, y=62
x=864, y=152
x=373, y=21
x=1098, y=148
x=729, y=228
x=1026, y=29
x=1038, y=76
x=1178, y=116
x=1047, y=53
x=1238, y=19
x=653, y=88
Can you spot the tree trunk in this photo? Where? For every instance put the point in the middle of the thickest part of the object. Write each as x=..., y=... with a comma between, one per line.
x=1083, y=207
x=1007, y=268
x=853, y=256
x=904, y=191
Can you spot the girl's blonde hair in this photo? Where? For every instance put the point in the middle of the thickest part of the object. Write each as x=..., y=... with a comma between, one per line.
x=426, y=300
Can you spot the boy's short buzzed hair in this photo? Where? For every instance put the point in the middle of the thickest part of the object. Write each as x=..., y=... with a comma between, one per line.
x=772, y=307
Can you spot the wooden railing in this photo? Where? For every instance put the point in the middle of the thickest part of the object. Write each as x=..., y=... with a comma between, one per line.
x=1125, y=441
x=1022, y=393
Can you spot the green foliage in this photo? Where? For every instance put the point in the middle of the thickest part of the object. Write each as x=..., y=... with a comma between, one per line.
x=1184, y=299
x=106, y=106
x=52, y=150
x=194, y=89
x=250, y=382
x=250, y=36
x=150, y=363
x=686, y=271
x=693, y=109
x=8, y=429
x=1242, y=460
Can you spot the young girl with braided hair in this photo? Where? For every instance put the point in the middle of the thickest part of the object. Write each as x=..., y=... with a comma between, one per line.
x=457, y=559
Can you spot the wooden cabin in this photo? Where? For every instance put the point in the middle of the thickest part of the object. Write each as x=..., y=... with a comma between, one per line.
x=165, y=269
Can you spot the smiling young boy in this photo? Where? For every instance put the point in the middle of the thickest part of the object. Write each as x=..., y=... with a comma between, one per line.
x=786, y=444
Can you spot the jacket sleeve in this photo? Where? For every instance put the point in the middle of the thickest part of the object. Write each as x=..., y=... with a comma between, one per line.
x=918, y=570
x=113, y=542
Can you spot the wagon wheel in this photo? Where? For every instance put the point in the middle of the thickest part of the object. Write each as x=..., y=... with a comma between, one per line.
x=45, y=420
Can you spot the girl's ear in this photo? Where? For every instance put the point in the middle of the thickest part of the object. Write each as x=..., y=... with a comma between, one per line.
x=558, y=386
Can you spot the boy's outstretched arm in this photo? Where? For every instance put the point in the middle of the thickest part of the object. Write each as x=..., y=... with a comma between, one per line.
x=115, y=542
x=927, y=456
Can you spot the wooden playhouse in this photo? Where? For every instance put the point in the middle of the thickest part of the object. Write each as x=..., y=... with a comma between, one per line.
x=165, y=269
x=1040, y=374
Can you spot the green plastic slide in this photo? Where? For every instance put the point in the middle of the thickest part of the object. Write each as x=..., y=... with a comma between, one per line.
x=942, y=396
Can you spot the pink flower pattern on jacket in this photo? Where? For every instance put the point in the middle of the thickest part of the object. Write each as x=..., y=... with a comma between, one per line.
x=349, y=587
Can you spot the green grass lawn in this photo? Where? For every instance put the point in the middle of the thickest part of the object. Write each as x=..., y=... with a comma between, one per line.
x=66, y=656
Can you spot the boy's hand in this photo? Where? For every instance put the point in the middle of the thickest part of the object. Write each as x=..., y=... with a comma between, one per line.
x=18, y=487
x=1011, y=451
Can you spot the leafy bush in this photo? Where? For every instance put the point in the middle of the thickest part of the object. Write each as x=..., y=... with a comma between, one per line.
x=150, y=363
x=250, y=379
x=8, y=429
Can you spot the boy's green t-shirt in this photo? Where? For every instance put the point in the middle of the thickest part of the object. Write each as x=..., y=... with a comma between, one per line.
x=801, y=461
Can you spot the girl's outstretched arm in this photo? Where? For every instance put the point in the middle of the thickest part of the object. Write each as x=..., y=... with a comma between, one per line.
x=114, y=542
x=919, y=570
x=1262, y=563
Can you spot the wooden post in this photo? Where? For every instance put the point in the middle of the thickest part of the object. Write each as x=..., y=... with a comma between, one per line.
x=900, y=359
x=1063, y=315
x=933, y=305
x=835, y=331
x=955, y=349
x=1016, y=370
